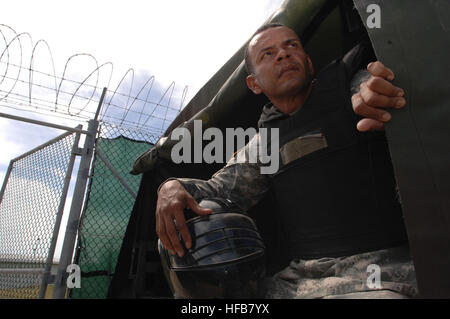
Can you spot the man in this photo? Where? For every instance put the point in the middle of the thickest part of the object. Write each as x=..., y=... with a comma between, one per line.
x=335, y=189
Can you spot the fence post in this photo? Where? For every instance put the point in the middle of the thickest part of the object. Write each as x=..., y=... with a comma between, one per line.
x=59, y=289
x=5, y=181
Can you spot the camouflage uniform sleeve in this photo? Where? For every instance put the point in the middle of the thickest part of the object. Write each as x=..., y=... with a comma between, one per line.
x=239, y=181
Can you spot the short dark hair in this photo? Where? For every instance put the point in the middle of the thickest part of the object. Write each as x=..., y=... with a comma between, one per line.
x=248, y=63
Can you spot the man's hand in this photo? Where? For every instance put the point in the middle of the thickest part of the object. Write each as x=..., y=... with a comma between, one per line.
x=376, y=94
x=172, y=199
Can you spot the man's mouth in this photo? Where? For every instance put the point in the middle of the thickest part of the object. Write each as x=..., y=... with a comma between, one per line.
x=288, y=68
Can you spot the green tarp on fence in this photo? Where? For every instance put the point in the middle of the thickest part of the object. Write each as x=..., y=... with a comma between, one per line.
x=105, y=220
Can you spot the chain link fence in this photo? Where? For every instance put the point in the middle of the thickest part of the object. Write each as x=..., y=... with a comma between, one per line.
x=111, y=195
x=29, y=203
x=31, y=199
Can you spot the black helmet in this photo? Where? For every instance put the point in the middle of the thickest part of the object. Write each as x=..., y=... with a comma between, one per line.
x=226, y=259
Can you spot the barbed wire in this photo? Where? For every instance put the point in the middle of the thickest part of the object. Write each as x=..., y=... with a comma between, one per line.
x=16, y=105
x=92, y=86
x=50, y=103
x=67, y=96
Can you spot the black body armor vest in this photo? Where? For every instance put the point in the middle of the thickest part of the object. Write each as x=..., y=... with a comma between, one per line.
x=335, y=188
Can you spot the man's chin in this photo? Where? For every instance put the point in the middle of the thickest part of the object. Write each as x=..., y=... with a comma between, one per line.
x=297, y=86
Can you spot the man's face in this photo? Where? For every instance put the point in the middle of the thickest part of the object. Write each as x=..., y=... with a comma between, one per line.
x=280, y=65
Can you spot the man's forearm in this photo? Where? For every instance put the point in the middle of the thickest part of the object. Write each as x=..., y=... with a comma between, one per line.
x=241, y=183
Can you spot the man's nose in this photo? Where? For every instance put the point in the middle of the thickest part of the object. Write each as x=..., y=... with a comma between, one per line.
x=282, y=54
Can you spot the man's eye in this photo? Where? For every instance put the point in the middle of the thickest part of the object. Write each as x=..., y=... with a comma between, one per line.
x=293, y=45
x=266, y=54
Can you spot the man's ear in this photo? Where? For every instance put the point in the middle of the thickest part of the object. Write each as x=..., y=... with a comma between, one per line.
x=253, y=85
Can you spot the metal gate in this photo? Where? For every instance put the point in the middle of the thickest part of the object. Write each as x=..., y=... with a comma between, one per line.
x=32, y=201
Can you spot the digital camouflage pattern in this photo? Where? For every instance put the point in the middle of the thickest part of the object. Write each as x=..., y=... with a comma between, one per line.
x=346, y=277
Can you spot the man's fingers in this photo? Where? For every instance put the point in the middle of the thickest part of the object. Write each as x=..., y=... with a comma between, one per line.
x=372, y=98
x=192, y=203
x=173, y=236
x=183, y=229
x=170, y=219
x=162, y=234
x=364, y=110
x=381, y=86
x=369, y=125
x=379, y=69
